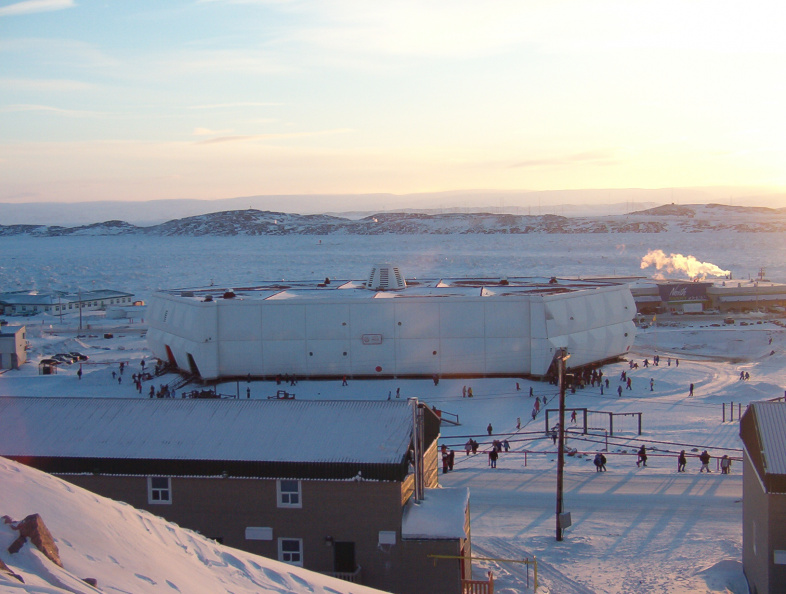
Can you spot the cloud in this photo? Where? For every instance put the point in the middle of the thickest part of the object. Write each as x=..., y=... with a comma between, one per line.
x=590, y=157
x=48, y=108
x=33, y=6
x=234, y=104
x=48, y=85
x=209, y=132
x=279, y=136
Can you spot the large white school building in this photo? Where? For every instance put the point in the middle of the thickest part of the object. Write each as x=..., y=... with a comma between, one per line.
x=386, y=327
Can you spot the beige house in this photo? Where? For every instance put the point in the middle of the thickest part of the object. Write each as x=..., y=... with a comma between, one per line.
x=763, y=433
x=326, y=485
x=13, y=345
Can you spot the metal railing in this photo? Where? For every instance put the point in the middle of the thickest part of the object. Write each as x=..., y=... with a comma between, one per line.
x=348, y=576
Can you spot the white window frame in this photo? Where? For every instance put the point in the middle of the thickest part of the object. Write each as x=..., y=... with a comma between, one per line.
x=154, y=494
x=291, y=557
x=284, y=498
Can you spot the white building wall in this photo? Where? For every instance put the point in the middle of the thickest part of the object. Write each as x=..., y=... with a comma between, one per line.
x=391, y=336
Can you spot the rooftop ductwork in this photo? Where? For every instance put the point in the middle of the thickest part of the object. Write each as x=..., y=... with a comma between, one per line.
x=385, y=277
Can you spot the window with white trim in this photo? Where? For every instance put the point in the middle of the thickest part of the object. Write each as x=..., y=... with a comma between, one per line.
x=290, y=550
x=159, y=490
x=289, y=493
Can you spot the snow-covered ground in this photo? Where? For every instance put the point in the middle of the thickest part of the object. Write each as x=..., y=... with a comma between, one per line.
x=635, y=530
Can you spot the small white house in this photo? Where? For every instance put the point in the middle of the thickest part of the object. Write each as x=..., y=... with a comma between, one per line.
x=28, y=303
x=13, y=342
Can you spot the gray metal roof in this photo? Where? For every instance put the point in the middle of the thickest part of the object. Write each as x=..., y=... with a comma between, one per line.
x=206, y=429
x=771, y=426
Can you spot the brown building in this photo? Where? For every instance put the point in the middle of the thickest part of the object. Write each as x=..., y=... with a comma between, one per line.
x=326, y=485
x=763, y=433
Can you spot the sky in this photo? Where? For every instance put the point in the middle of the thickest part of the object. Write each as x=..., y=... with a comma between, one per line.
x=213, y=99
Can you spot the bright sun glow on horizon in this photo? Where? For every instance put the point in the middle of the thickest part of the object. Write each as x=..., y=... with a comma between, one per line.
x=223, y=98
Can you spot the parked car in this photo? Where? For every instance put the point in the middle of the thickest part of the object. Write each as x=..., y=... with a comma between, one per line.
x=78, y=356
x=63, y=358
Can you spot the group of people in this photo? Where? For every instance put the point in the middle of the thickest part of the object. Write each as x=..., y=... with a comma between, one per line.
x=682, y=460
x=448, y=458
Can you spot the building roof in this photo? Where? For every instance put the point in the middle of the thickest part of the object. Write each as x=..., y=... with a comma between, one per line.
x=424, y=288
x=55, y=297
x=263, y=437
x=763, y=432
x=440, y=515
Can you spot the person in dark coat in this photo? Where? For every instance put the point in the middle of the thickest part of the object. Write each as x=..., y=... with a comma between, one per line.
x=444, y=450
x=681, y=461
x=451, y=459
x=493, y=455
x=642, y=459
x=705, y=461
x=490, y=429
x=597, y=463
x=475, y=446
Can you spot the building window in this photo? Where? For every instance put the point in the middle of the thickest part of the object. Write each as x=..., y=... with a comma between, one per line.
x=288, y=493
x=159, y=490
x=290, y=550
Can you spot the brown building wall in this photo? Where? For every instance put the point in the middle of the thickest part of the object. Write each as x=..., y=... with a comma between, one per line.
x=776, y=505
x=347, y=511
x=754, y=529
x=763, y=533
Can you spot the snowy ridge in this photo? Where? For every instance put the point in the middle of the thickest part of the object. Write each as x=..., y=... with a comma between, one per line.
x=684, y=218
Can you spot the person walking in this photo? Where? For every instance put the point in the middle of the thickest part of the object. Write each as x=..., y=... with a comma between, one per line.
x=468, y=446
x=469, y=392
x=681, y=461
x=518, y=423
x=652, y=385
x=490, y=429
x=464, y=391
x=603, y=463
x=344, y=381
x=628, y=385
x=597, y=463
x=705, y=461
x=642, y=457
x=451, y=459
x=725, y=464
x=619, y=391
x=690, y=392
x=79, y=373
x=493, y=455
x=573, y=417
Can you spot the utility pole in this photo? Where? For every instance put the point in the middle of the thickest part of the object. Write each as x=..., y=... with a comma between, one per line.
x=562, y=356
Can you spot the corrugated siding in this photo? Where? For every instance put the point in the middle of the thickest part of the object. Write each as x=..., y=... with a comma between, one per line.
x=771, y=422
x=338, y=432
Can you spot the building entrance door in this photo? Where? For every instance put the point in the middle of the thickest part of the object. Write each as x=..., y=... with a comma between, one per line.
x=344, y=557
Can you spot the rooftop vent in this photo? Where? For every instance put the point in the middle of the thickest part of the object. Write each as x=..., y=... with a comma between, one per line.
x=385, y=277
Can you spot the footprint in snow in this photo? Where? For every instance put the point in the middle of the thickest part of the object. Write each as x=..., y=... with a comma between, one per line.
x=173, y=586
x=274, y=576
x=301, y=582
x=146, y=579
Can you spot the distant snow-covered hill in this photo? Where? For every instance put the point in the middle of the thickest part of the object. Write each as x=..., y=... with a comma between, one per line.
x=670, y=217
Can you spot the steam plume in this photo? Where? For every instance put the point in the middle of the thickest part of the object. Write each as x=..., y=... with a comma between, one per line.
x=679, y=263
